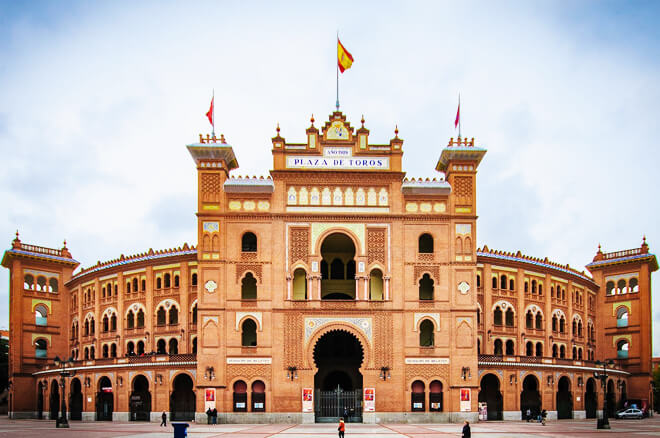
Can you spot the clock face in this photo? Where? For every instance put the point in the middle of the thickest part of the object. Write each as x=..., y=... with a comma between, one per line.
x=210, y=286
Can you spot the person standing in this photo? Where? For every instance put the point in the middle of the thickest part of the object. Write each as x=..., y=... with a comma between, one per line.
x=214, y=414
x=209, y=414
x=341, y=428
x=164, y=417
x=467, y=433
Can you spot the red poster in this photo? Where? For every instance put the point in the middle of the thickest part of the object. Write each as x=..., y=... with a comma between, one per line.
x=210, y=395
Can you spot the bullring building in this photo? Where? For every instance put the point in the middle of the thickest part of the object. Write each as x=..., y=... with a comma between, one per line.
x=335, y=286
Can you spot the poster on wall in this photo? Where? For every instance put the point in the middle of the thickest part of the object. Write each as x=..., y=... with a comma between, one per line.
x=483, y=411
x=369, y=399
x=466, y=399
x=308, y=400
x=209, y=399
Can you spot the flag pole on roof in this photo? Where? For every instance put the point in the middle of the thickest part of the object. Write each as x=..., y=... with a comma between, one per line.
x=210, y=114
x=457, y=122
x=344, y=62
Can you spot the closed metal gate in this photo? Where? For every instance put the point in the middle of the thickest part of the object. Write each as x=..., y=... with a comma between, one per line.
x=331, y=405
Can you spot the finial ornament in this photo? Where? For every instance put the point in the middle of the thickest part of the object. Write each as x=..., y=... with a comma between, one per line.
x=312, y=120
x=396, y=131
x=17, y=234
x=362, y=120
x=644, y=240
x=278, y=128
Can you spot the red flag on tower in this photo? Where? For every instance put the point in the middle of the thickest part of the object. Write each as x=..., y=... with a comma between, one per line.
x=458, y=114
x=209, y=114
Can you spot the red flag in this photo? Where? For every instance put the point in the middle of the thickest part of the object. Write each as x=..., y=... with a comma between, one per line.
x=458, y=114
x=209, y=114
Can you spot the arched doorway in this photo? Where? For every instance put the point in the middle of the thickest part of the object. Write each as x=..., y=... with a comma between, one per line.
x=140, y=401
x=76, y=400
x=338, y=356
x=623, y=398
x=489, y=393
x=435, y=396
x=40, y=400
x=338, y=267
x=104, y=400
x=564, y=399
x=54, y=400
x=611, y=399
x=530, y=398
x=590, y=399
x=182, y=400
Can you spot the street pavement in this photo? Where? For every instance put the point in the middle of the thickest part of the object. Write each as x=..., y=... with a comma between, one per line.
x=649, y=427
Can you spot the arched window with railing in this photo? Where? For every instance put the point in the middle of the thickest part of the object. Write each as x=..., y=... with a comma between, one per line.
x=426, y=334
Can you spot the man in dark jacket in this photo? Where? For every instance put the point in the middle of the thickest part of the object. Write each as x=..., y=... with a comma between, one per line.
x=164, y=422
x=466, y=429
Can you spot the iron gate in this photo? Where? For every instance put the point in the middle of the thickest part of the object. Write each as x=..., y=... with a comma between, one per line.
x=331, y=405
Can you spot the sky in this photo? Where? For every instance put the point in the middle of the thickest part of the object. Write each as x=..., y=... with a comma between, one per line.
x=99, y=99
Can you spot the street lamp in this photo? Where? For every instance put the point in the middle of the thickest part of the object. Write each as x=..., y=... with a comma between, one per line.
x=63, y=365
x=603, y=423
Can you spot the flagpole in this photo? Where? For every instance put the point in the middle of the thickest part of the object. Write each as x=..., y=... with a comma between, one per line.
x=213, y=124
x=459, y=115
x=337, y=67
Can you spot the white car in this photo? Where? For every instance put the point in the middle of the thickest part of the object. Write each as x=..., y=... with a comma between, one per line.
x=630, y=413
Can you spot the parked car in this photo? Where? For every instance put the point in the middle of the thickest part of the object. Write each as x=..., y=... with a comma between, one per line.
x=629, y=413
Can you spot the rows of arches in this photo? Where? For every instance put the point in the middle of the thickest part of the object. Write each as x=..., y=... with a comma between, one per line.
x=622, y=286
x=40, y=284
x=418, y=396
x=252, y=401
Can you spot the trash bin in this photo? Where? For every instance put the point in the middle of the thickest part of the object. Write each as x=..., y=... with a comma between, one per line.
x=180, y=430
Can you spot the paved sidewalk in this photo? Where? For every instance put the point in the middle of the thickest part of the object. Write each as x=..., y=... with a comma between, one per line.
x=577, y=428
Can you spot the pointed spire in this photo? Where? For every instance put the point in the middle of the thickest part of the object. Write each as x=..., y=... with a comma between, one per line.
x=396, y=131
x=645, y=246
x=362, y=120
x=278, y=129
x=312, y=120
x=16, y=244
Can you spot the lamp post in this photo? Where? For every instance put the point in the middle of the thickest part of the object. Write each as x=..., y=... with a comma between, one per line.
x=603, y=423
x=63, y=365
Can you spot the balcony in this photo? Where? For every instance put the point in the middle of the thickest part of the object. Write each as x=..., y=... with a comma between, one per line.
x=532, y=359
x=135, y=331
x=166, y=329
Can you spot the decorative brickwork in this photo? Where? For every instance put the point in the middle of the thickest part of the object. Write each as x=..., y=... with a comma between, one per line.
x=463, y=190
x=211, y=187
x=249, y=372
x=298, y=244
x=426, y=371
x=420, y=270
x=241, y=268
x=376, y=248
x=293, y=332
x=384, y=356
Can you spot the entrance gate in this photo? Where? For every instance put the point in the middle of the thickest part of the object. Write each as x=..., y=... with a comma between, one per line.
x=331, y=405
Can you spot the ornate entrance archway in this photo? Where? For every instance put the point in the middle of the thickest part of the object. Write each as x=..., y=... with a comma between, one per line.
x=590, y=399
x=338, y=356
x=489, y=393
x=564, y=399
x=530, y=398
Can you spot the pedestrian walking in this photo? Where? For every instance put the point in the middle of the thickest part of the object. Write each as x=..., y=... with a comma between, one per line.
x=164, y=422
x=341, y=428
x=467, y=433
x=544, y=414
x=214, y=415
x=209, y=414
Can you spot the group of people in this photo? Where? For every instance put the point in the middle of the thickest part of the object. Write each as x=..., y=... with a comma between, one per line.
x=541, y=417
x=212, y=415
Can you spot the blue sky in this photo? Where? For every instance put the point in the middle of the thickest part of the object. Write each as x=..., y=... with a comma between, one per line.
x=97, y=102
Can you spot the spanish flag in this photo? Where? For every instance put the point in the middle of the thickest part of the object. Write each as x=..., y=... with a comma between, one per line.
x=344, y=59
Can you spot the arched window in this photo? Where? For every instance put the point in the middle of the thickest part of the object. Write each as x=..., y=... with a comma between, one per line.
x=194, y=346
x=140, y=319
x=166, y=280
x=633, y=285
x=426, y=338
x=41, y=315
x=503, y=282
x=174, y=315
x=497, y=316
x=86, y=331
x=554, y=350
x=130, y=320
x=249, y=333
x=435, y=396
x=128, y=287
x=174, y=346
x=53, y=284
x=258, y=396
x=143, y=285
x=574, y=353
x=86, y=353
x=376, y=285
x=92, y=352
x=478, y=280
x=130, y=348
x=510, y=351
x=580, y=353
x=113, y=323
x=113, y=350
x=425, y=244
x=562, y=352
x=92, y=326
x=135, y=285
x=540, y=288
x=539, y=349
x=539, y=321
x=494, y=285
x=533, y=286
x=529, y=320
x=554, y=323
x=194, y=314
x=574, y=327
x=337, y=269
x=28, y=282
x=249, y=242
x=194, y=279
x=478, y=346
x=106, y=324
x=240, y=396
x=579, y=332
x=176, y=281
x=562, y=325
x=529, y=348
x=622, y=317
x=41, y=349
x=497, y=348
x=105, y=352
x=249, y=287
x=426, y=287
x=161, y=316
x=622, y=349
x=159, y=283
x=526, y=287
x=140, y=348
x=511, y=284
x=509, y=317
x=299, y=284
x=160, y=346
x=418, y=396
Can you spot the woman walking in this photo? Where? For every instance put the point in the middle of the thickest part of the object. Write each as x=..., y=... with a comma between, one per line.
x=341, y=428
